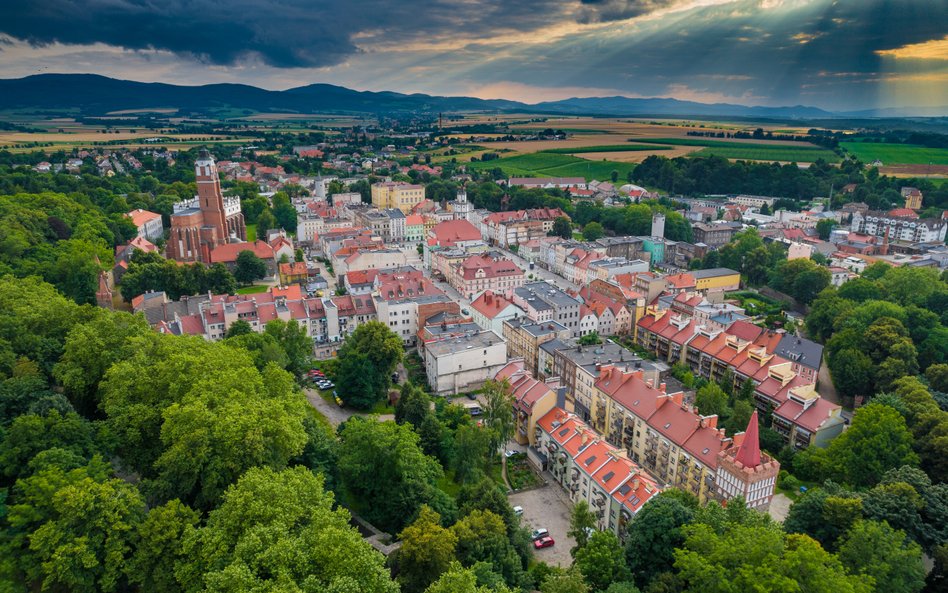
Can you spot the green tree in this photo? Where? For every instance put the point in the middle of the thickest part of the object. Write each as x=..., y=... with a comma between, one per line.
x=32, y=434
x=462, y=580
x=74, y=530
x=266, y=222
x=589, y=339
x=383, y=466
x=367, y=359
x=852, y=372
x=158, y=547
x=571, y=581
x=653, y=536
x=249, y=267
x=582, y=522
x=427, y=551
x=592, y=231
x=711, y=400
x=562, y=228
x=413, y=407
x=292, y=338
x=824, y=227
x=878, y=440
x=205, y=415
x=238, y=328
x=498, y=414
x=762, y=559
x=602, y=561
x=487, y=495
x=278, y=530
x=876, y=550
x=471, y=452
x=482, y=537
x=284, y=212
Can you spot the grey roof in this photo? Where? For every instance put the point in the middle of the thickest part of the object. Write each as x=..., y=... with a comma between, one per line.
x=548, y=293
x=712, y=273
x=395, y=213
x=555, y=344
x=602, y=353
x=806, y=352
x=482, y=339
x=537, y=329
x=435, y=329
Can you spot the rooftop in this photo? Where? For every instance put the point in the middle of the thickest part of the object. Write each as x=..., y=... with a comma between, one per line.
x=482, y=339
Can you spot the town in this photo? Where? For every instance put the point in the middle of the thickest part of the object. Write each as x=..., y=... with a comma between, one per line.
x=474, y=297
x=608, y=369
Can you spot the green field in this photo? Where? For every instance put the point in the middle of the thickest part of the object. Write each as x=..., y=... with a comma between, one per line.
x=609, y=148
x=548, y=164
x=896, y=154
x=748, y=151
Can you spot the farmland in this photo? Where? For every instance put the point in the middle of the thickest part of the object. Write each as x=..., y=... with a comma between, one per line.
x=896, y=154
x=547, y=164
x=608, y=148
x=787, y=152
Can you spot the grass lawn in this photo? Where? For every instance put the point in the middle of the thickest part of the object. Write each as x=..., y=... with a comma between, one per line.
x=251, y=232
x=520, y=474
x=382, y=407
x=253, y=289
x=447, y=484
x=896, y=154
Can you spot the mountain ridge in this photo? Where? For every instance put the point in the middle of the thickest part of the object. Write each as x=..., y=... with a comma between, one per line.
x=94, y=94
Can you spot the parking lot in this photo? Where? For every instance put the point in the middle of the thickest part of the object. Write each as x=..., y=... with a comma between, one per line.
x=549, y=508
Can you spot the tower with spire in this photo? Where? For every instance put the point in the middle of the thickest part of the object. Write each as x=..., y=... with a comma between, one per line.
x=744, y=470
x=461, y=207
x=207, y=221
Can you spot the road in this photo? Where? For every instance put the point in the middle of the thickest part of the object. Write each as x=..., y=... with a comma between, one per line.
x=334, y=413
x=540, y=273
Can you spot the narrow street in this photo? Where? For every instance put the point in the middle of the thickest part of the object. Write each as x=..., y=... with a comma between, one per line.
x=334, y=413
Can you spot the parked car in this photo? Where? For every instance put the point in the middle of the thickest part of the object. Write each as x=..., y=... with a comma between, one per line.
x=511, y=453
x=475, y=411
x=472, y=396
x=518, y=510
x=543, y=542
x=538, y=533
x=394, y=377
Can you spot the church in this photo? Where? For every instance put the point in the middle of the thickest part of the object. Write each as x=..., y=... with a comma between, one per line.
x=208, y=220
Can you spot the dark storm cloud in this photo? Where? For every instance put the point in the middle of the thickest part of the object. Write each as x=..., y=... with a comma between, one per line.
x=613, y=10
x=283, y=33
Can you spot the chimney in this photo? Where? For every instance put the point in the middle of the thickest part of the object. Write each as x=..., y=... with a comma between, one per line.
x=661, y=387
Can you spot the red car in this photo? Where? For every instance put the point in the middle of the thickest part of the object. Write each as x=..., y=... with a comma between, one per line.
x=543, y=542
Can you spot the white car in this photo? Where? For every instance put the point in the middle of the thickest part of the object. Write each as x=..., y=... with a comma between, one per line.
x=518, y=510
x=538, y=533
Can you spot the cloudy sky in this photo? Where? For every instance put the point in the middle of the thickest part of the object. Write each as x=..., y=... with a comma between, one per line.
x=844, y=54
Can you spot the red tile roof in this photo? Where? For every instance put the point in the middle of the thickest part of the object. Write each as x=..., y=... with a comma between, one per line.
x=490, y=304
x=452, y=232
x=228, y=252
x=140, y=217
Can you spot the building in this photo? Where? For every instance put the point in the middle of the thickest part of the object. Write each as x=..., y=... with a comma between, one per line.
x=293, y=273
x=592, y=470
x=414, y=228
x=227, y=254
x=549, y=182
x=913, y=198
x=481, y=272
x=368, y=259
x=532, y=399
x=464, y=363
x=206, y=222
x=743, y=470
x=524, y=338
x=805, y=356
x=714, y=234
x=397, y=194
x=900, y=228
x=148, y=223
x=799, y=251
x=490, y=309
x=519, y=226
x=544, y=302
x=716, y=280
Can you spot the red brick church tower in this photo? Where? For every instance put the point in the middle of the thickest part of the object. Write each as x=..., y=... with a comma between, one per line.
x=208, y=220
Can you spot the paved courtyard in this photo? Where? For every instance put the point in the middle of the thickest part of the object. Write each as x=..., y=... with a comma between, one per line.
x=548, y=507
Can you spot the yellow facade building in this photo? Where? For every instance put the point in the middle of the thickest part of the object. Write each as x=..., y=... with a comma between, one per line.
x=395, y=194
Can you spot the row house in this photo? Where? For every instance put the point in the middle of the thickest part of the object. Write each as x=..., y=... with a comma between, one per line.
x=578, y=368
x=490, y=309
x=680, y=447
x=544, y=302
x=591, y=470
x=532, y=399
x=367, y=259
x=525, y=337
x=326, y=320
x=482, y=272
x=780, y=366
x=404, y=301
x=614, y=317
x=520, y=226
